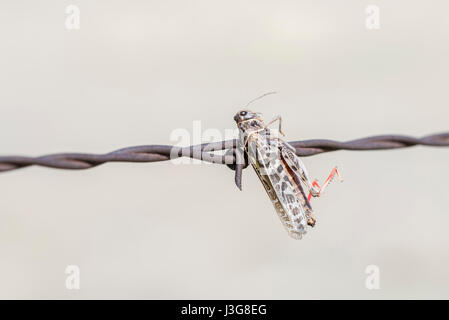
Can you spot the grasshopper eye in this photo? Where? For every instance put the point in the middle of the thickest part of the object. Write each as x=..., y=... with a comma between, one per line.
x=243, y=113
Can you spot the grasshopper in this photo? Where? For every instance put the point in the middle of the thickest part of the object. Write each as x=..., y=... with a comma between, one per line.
x=280, y=171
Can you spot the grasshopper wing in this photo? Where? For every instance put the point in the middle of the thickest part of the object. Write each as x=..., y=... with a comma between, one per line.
x=298, y=171
x=278, y=179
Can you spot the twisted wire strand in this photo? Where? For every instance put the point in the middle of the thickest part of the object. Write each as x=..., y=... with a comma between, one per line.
x=383, y=142
x=205, y=152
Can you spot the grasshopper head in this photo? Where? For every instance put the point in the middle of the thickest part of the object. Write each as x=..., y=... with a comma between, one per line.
x=246, y=115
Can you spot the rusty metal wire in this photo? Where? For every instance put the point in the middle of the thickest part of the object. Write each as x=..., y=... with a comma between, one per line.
x=205, y=152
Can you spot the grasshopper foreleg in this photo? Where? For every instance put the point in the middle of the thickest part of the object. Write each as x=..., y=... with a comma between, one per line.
x=277, y=118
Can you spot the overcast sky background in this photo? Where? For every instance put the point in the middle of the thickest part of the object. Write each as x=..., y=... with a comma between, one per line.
x=137, y=70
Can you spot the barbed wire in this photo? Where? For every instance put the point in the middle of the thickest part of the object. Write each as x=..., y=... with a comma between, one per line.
x=205, y=152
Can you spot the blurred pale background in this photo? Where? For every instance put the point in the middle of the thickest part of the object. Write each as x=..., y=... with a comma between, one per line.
x=137, y=70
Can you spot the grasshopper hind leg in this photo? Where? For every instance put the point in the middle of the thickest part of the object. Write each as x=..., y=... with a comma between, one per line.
x=298, y=167
x=326, y=183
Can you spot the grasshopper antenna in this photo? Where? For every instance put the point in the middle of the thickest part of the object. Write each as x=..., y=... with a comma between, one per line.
x=260, y=97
